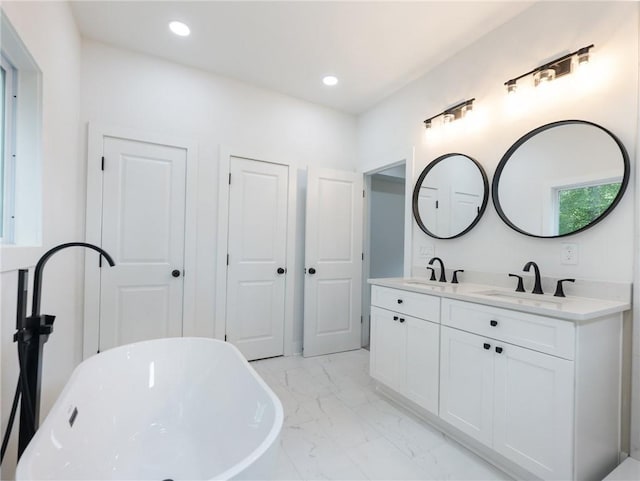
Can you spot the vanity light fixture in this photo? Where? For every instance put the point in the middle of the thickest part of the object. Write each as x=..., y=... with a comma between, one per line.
x=456, y=112
x=583, y=56
x=546, y=75
x=554, y=69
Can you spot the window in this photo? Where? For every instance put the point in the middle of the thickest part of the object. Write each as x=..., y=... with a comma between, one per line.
x=579, y=206
x=20, y=146
x=3, y=102
x=8, y=96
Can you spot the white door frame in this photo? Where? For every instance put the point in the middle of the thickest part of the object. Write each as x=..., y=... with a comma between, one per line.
x=409, y=162
x=223, y=235
x=93, y=228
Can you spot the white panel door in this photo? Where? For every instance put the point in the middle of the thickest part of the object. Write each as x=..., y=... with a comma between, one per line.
x=143, y=220
x=466, y=383
x=257, y=255
x=333, y=260
x=428, y=206
x=533, y=419
x=466, y=206
x=388, y=341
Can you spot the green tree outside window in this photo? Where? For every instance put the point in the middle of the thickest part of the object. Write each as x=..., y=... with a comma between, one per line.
x=580, y=206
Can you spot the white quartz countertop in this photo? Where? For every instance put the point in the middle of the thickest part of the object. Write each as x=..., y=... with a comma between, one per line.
x=569, y=308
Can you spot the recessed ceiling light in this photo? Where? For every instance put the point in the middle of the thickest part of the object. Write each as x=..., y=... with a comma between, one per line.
x=330, y=80
x=180, y=28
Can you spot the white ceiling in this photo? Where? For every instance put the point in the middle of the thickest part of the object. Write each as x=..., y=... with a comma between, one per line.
x=374, y=48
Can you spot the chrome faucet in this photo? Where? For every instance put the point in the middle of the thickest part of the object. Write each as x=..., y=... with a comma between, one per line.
x=537, y=286
x=443, y=277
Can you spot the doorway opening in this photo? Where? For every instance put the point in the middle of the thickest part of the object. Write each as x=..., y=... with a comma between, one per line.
x=385, y=226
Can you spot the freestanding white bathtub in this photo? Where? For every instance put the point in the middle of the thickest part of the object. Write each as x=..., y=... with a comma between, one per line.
x=181, y=408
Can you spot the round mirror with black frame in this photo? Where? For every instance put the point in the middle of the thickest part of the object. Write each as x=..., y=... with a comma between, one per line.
x=560, y=179
x=450, y=196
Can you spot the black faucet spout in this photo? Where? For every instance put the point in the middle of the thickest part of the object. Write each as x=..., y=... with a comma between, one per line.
x=537, y=286
x=443, y=277
x=37, y=275
x=31, y=334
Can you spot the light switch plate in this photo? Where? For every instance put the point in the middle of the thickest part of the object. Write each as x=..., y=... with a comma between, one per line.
x=426, y=251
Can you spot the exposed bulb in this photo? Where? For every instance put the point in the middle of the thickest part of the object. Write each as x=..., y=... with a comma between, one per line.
x=179, y=28
x=330, y=80
x=544, y=76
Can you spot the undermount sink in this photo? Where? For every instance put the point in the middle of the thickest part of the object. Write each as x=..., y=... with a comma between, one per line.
x=425, y=284
x=525, y=299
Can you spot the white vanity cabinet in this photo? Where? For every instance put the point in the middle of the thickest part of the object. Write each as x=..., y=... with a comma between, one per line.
x=517, y=401
x=533, y=388
x=536, y=394
x=466, y=384
x=405, y=338
x=533, y=410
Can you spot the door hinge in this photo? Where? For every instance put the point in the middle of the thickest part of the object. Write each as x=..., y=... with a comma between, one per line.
x=363, y=193
x=436, y=204
x=363, y=256
x=227, y=259
x=102, y=163
x=225, y=337
x=361, y=320
x=98, y=351
x=229, y=178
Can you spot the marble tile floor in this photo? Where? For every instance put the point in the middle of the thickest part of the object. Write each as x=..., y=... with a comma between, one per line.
x=336, y=426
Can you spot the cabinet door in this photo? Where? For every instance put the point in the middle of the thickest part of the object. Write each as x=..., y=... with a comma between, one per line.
x=388, y=338
x=466, y=383
x=423, y=361
x=533, y=418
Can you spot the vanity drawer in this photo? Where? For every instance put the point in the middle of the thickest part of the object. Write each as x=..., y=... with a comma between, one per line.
x=413, y=304
x=543, y=334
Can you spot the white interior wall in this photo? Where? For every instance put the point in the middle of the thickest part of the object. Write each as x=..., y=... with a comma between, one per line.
x=609, y=97
x=152, y=95
x=49, y=33
x=540, y=33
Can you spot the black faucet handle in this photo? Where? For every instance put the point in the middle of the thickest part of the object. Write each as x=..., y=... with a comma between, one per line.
x=520, y=287
x=454, y=280
x=559, y=290
x=433, y=273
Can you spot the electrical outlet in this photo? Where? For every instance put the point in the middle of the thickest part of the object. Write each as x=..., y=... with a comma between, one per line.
x=427, y=251
x=569, y=254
